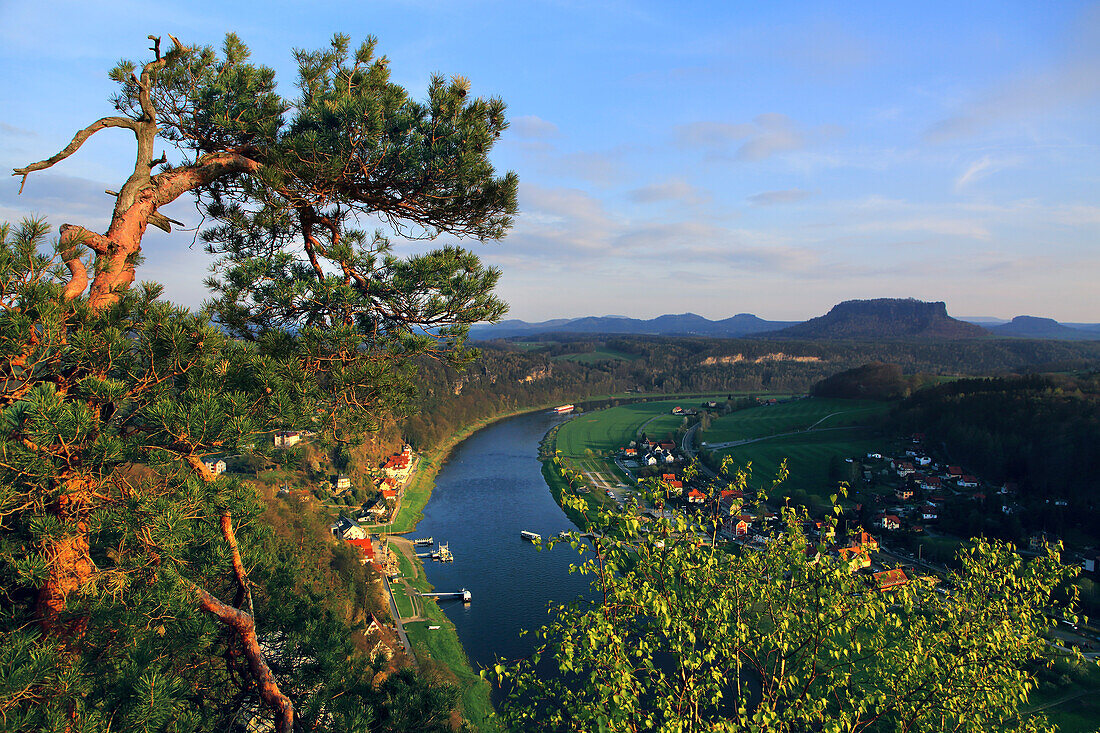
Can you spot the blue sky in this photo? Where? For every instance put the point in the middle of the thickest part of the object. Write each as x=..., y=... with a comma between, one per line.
x=773, y=158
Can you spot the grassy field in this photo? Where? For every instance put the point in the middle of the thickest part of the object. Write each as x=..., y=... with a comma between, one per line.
x=808, y=457
x=757, y=422
x=612, y=429
x=1069, y=696
x=532, y=345
x=591, y=357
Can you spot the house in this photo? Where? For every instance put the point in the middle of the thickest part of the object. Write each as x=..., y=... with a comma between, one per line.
x=695, y=496
x=669, y=458
x=630, y=452
x=955, y=471
x=365, y=547
x=924, y=461
x=931, y=483
x=287, y=438
x=929, y=513
x=710, y=405
x=741, y=524
x=398, y=466
x=890, y=579
x=856, y=558
x=677, y=410
x=343, y=483
x=675, y=484
x=876, y=456
x=389, y=494
x=651, y=460
x=968, y=482
x=866, y=541
x=903, y=493
x=888, y=521
x=903, y=468
x=667, y=445
x=385, y=641
x=346, y=529
x=216, y=467
x=668, y=477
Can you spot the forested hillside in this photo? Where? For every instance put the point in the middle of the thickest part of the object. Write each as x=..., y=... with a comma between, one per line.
x=508, y=376
x=1040, y=433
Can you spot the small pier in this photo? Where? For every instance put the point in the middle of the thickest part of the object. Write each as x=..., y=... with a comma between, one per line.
x=464, y=594
x=443, y=554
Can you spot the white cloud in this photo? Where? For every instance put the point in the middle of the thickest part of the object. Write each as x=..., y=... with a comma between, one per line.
x=674, y=189
x=787, y=196
x=532, y=127
x=769, y=134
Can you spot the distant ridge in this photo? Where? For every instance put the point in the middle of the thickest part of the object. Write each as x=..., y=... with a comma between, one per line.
x=1031, y=327
x=882, y=318
x=683, y=324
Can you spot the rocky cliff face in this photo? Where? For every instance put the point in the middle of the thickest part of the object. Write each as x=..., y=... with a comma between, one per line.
x=883, y=318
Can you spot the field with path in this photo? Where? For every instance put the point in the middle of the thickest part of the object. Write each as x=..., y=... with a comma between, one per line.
x=758, y=422
x=808, y=457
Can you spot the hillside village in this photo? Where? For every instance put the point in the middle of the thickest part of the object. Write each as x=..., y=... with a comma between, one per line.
x=902, y=496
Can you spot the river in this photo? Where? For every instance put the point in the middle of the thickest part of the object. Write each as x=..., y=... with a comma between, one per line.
x=490, y=488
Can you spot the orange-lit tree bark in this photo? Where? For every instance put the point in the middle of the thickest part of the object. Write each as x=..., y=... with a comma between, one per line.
x=314, y=321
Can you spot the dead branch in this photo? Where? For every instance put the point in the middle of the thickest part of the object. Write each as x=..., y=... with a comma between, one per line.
x=78, y=140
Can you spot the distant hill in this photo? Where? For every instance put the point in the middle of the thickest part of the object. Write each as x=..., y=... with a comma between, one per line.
x=875, y=381
x=684, y=324
x=882, y=318
x=1031, y=327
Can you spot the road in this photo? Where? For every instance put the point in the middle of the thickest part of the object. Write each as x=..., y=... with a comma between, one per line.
x=397, y=619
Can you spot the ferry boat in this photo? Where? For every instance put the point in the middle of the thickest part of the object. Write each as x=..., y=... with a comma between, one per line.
x=530, y=536
x=563, y=409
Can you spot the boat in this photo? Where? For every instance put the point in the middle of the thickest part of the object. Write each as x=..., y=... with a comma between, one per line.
x=424, y=541
x=443, y=554
x=530, y=536
x=563, y=409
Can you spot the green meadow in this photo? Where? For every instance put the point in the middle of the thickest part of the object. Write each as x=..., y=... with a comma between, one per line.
x=591, y=357
x=765, y=420
x=611, y=429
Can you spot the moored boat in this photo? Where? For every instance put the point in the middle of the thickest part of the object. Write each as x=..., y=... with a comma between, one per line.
x=530, y=536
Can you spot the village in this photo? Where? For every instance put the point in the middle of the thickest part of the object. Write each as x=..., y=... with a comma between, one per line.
x=901, y=497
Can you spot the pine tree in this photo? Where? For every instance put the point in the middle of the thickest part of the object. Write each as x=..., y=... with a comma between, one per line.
x=129, y=567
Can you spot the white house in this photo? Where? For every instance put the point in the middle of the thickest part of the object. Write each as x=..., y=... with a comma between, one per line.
x=343, y=483
x=287, y=438
x=347, y=529
x=218, y=466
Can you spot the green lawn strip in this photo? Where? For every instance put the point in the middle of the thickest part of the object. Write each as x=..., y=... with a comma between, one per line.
x=558, y=485
x=401, y=598
x=443, y=646
x=757, y=422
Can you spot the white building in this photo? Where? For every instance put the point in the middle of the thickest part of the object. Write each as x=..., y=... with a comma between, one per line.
x=287, y=438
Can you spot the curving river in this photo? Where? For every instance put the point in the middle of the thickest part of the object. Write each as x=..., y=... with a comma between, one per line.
x=490, y=488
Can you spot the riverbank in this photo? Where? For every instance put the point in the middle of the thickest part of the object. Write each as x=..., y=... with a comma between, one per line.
x=418, y=489
x=440, y=645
